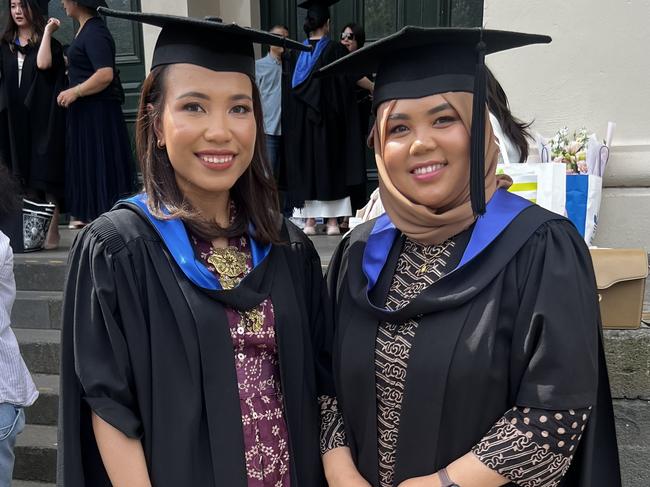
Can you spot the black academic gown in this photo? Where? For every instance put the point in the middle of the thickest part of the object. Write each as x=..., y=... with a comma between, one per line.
x=323, y=153
x=517, y=323
x=151, y=353
x=32, y=125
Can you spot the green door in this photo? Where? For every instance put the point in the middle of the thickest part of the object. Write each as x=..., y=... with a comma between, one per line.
x=379, y=18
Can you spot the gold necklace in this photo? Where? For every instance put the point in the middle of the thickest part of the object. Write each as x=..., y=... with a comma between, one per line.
x=437, y=251
x=230, y=263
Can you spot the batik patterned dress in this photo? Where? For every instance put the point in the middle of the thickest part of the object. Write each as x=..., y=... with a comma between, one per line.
x=266, y=438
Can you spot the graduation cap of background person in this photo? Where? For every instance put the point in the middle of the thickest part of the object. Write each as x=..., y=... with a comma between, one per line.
x=205, y=42
x=418, y=61
x=318, y=6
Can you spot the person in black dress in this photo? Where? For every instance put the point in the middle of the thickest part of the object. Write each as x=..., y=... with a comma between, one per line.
x=32, y=126
x=195, y=328
x=99, y=165
x=323, y=156
x=467, y=349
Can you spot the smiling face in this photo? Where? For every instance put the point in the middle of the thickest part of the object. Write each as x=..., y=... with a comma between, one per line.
x=20, y=13
x=208, y=128
x=427, y=151
x=348, y=40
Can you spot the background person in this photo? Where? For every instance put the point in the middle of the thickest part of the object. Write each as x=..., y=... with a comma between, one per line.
x=32, y=126
x=323, y=154
x=17, y=389
x=99, y=165
x=268, y=76
x=353, y=37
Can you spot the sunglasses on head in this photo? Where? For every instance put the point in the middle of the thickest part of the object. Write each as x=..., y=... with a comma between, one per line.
x=347, y=36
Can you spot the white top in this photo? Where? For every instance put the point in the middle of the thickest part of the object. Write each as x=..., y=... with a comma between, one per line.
x=21, y=62
x=16, y=384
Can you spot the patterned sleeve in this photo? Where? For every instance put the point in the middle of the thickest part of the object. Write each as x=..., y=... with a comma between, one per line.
x=332, y=430
x=533, y=447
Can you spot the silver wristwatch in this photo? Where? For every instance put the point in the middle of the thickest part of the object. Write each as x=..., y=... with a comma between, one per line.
x=445, y=481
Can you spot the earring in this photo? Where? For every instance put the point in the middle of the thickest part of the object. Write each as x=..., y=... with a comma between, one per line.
x=160, y=144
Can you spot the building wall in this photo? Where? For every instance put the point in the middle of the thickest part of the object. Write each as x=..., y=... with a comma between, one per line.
x=242, y=12
x=595, y=70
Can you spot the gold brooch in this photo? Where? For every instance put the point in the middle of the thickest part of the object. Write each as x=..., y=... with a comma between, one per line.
x=253, y=320
x=230, y=263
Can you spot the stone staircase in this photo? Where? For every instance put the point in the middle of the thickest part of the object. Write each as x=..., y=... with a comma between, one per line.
x=36, y=320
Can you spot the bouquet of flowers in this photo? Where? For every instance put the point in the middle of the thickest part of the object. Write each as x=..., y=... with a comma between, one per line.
x=570, y=149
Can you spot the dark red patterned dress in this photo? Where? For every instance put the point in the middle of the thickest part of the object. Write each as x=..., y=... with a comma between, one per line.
x=266, y=438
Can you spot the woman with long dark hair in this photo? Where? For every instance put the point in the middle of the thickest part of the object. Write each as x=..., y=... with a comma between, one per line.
x=32, y=126
x=99, y=167
x=323, y=155
x=194, y=334
x=467, y=346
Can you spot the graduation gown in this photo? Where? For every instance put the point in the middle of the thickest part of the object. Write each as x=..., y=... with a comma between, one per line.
x=32, y=125
x=320, y=123
x=516, y=323
x=146, y=345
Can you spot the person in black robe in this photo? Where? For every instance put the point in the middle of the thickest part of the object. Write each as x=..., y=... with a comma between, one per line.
x=467, y=348
x=323, y=156
x=172, y=320
x=32, y=125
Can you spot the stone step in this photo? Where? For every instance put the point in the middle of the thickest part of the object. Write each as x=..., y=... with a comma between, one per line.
x=36, y=454
x=39, y=272
x=40, y=350
x=37, y=309
x=27, y=483
x=45, y=410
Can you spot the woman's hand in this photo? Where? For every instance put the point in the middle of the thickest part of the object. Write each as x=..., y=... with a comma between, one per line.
x=52, y=26
x=67, y=97
x=426, y=481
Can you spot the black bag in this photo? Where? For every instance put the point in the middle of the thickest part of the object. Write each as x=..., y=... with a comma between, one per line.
x=27, y=227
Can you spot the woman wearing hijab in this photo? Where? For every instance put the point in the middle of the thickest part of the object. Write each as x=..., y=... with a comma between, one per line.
x=98, y=152
x=467, y=345
x=323, y=156
x=32, y=126
x=194, y=341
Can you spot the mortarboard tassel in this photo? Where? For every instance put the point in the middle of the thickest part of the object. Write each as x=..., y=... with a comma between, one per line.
x=477, y=152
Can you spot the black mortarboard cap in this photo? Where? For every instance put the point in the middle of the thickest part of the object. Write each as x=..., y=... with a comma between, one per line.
x=418, y=61
x=320, y=7
x=317, y=3
x=205, y=42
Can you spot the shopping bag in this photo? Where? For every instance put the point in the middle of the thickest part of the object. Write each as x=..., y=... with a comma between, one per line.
x=583, y=196
x=544, y=184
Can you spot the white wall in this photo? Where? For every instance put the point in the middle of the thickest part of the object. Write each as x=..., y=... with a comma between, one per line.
x=150, y=33
x=596, y=69
x=242, y=12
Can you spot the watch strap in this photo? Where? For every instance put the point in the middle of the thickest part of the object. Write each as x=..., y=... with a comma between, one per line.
x=445, y=481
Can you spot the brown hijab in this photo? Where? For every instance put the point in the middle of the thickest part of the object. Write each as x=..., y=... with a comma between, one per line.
x=431, y=226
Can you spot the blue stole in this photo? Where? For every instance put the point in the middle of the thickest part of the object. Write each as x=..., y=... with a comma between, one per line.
x=500, y=212
x=307, y=60
x=177, y=241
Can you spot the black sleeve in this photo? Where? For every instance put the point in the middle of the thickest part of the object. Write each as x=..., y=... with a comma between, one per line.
x=557, y=330
x=97, y=313
x=321, y=323
x=100, y=48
